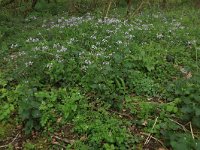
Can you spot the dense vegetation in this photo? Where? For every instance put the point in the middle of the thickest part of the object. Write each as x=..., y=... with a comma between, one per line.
x=75, y=80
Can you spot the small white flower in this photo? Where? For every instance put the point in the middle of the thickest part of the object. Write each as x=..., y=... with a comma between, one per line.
x=94, y=47
x=93, y=37
x=30, y=63
x=29, y=40
x=119, y=42
x=33, y=18
x=98, y=43
x=36, y=48
x=13, y=46
x=159, y=36
x=45, y=47
x=56, y=45
x=21, y=53
x=105, y=63
x=49, y=65
x=59, y=20
x=63, y=49
x=88, y=62
x=104, y=41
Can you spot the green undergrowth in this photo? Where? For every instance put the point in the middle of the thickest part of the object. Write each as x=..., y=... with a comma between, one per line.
x=86, y=83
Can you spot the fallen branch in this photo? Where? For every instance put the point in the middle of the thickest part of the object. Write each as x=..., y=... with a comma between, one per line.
x=3, y=146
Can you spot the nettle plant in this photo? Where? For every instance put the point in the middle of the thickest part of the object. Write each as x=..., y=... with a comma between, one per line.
x=7, y=104
x=41, y=108
x=182, y=141
x=103, y=130
x=188, y=91
x=28, y=107
x=59, y=104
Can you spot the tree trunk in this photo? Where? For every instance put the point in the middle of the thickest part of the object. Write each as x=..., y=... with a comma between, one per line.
x=128, y=7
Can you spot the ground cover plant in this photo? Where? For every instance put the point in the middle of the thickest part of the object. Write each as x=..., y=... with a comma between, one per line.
x=86, y=82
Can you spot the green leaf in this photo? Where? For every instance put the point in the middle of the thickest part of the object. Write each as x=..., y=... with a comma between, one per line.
x=36, y=114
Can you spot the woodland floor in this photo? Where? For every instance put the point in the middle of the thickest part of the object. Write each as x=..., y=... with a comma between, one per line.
x=80, y=82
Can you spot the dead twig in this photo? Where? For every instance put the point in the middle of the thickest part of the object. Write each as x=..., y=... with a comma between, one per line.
x=64, y=140
x=149, y=136
x=138, y=9
x=3, y=146
x=56, y=143
x=109, y=5
x=122, y=114
x=184, y=128
x=146, y=134
x=192, y=133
